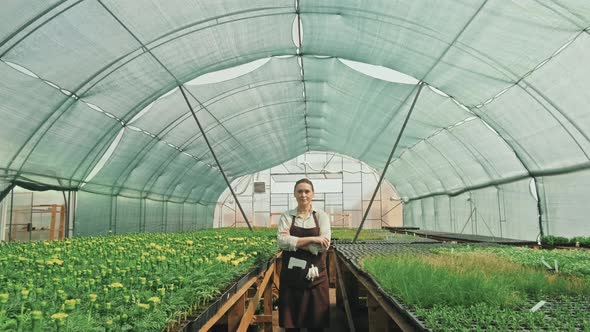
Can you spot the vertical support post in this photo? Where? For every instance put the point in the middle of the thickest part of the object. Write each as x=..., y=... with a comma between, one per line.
x=52, y=223
x=343, y=291
x=110, y=216
x=62, y=222
x=378, y=319
x=235, y=313
x=73, y=211
x=420, y=85
x=115, y=209
x=332, y=267
x=214, y=155
x=3, y=209
x=141, y=214
x=165, y=216
x=182, y=217
x=68, y=209
x=539, y=209
x=267, y=326
x=11, y=213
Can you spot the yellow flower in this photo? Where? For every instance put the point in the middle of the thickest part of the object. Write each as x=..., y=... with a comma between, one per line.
x=109, y=322
x=154, y=300
x=3, y=298
x=143, y=305
x=116, y=285
x=70, y=304
x=59, y=316
x=92, y=297
x=25, y=293
x=189, y=242
x=36, y=315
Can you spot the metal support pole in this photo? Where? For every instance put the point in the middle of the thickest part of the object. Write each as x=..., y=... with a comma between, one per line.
x=214, y=156
x=420, y=85
x=73, y=211
x=11, y=209
x=67, y=208
x=539, y=209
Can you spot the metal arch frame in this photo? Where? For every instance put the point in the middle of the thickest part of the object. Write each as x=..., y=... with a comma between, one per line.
x=420, y=86
x=192, y=139
x=186, y=144
x=215, y=157
x=386, y=123
x=300, y=57
x=181, y=87
x=58, y=5
x=152, y=143
x=177, y=179
x=101, y=71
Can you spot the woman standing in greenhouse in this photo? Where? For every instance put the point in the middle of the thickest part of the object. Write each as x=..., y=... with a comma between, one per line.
x=304, y=236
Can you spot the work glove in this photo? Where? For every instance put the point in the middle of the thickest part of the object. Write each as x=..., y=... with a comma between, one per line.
x=312, y=273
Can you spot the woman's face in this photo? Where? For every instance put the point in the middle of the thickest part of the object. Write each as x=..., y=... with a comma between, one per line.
x=303, y=194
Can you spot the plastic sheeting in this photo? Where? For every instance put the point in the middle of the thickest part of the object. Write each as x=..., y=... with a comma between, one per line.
x=89, y=99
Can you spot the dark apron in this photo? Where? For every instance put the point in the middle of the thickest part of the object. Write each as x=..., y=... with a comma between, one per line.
x=303, y=303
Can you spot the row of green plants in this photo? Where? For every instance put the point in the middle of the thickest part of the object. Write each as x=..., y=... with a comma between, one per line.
x=471, y=288
x=347, y=234
x=135, y=282
x=583, y=241
x=568, y=262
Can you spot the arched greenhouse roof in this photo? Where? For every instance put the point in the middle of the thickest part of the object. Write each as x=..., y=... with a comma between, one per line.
x=90, y=98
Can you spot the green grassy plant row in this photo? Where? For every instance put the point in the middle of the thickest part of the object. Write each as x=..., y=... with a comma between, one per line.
x=478, y=290
x=468, y=278
x=366, y=234
x=135, y=282
x=563, y=241
x=573, y=262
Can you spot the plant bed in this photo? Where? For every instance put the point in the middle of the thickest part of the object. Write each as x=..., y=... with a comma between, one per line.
x=483, y=288
x=135, y=282
x=551, y=242
x=346, y=236
x=195, y=322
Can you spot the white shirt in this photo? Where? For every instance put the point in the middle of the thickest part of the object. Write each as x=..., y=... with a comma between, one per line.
x=289, y=242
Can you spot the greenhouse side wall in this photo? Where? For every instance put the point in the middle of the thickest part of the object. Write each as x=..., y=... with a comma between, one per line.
x=507, y=211
x=565, y=204
x=98, y=214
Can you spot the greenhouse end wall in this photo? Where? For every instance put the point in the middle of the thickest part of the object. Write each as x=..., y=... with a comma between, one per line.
x=102, y=214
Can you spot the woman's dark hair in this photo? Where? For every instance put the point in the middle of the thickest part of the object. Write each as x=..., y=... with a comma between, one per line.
x=304, y=180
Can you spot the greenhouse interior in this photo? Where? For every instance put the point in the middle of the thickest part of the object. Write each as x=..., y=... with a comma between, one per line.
x=224, y=165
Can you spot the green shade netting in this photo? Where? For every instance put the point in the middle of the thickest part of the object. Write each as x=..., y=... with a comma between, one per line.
x=89, y=99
